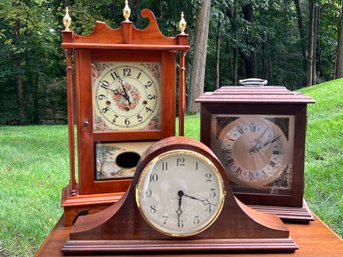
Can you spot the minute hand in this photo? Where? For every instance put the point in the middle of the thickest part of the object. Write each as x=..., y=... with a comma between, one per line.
x=271, y=140
x=205, y=202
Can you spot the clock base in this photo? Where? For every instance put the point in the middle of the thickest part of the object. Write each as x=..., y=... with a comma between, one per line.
x=217, y=245
x=287, y=213
x=75, y=205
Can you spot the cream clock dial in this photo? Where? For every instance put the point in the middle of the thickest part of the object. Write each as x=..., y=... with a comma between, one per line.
x=180, y=193
x=255, y=150
x=126, y=96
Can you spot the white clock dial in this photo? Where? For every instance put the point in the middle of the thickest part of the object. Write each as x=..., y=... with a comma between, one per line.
x=126, y=96
x=180, y=193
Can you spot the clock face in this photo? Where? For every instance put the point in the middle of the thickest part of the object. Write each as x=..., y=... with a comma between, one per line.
x=256, y=150
x=126, y=96
x=180, y=193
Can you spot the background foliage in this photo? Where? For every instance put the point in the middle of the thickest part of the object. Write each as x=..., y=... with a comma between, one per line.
x=32, y=72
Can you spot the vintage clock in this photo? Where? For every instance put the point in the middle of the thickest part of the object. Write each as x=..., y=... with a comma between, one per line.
x=179, y=200
x=258, y=132
x=125, y=93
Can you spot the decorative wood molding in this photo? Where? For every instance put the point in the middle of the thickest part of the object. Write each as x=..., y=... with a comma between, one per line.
x=127, y=36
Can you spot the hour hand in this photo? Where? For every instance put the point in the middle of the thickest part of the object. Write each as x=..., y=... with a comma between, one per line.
x=116, y=92
x=179, y=211
x=126, y=96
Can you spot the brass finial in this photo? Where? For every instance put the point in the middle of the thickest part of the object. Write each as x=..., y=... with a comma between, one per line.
x=182, y=24
x=126, y=11
x=67, y=20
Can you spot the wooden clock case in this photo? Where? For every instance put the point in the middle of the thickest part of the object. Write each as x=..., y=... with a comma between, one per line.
x=121, y=227
x=265, y=100
x=124, y=44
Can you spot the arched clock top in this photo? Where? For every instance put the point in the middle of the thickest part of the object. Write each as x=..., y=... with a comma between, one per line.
x=126, y=36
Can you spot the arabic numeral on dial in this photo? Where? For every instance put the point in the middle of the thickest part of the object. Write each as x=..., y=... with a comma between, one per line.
x=126, y=71
x=105, y=84
x=208, y=177
x=208, y=208
x=148, y=193
x=164, y=166
x=114, y=75
x=139, y=118
x=153, y=209
x=127, y=122
x=115, y=118
x=148, y=84
x=101, y=97
x=196, y=220
x=147, y=109
x=139, y=74
x=213, y=193
x=180, y=161
x=165, y=218
x=104, y=110
x=180, y=224
x=151, y=97
x=153, y=177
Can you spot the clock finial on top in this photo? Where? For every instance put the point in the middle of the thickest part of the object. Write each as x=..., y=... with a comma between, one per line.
x=67, y=20
x=126, y=11
x=182, y=24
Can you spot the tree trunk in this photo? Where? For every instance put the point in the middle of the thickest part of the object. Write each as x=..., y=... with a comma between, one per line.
x=218, y=40
x=310, y=44
x=232, y=14
x=18, y=64
x=314, y=58
x=199, y=56
x=249, y=60
x=235, y=66
x=250, y=65
x=19, y=91
x=339, y=57
x=301, y=28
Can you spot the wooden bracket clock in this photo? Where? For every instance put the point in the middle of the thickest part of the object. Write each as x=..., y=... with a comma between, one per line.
x=258, y=132
x=125, y=91
x=179, y=200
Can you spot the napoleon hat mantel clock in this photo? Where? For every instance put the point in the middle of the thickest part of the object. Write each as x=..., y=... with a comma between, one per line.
x=125, y=91
x=179, y=200
x=258, y=132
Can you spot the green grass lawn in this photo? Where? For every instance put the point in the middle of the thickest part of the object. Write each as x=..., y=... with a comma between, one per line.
x=34, y=168
x=324, y=153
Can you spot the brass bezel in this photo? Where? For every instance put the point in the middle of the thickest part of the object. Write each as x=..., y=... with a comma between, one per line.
x=217, y=174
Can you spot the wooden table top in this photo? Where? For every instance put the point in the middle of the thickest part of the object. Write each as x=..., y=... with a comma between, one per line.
x=314, y=239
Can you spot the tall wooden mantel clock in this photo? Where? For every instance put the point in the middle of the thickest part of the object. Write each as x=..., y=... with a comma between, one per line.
x=125, y=91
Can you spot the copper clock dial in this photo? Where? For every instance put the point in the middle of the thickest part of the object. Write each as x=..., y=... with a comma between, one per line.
x=255, y=150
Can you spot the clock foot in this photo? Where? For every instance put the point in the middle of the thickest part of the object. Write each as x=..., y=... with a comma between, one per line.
x=301, y=214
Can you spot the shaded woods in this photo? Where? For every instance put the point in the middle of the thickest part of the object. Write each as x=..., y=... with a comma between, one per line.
x=293, y=43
